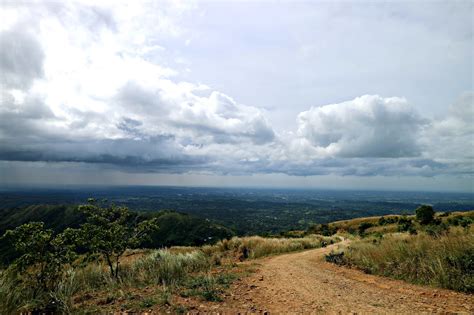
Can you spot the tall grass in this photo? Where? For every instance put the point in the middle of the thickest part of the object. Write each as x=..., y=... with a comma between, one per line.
x=256, y=246
x=446, y=261
x=16, y=297
x=162, y=267
x=159, y=267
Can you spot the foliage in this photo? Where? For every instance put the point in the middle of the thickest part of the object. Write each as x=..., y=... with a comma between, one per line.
x=175, y=228
x=364, y=226
x=38, y=271
x=405, y=224
x=111, y=230
x=322, y=229
x=185, y=230
x=460, y=220
x=425, y=214
x=387, y=220
x=335, y=258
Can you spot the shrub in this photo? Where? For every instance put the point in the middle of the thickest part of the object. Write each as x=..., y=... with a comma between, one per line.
x=363, y=227
x=405, y=224
x=33, y=282
x=335, y=258
x=463, y=221
x=386, y=221
x=425, y=214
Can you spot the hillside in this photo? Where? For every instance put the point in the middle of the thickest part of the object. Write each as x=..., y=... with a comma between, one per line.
x=175, y=228
x=345, y=271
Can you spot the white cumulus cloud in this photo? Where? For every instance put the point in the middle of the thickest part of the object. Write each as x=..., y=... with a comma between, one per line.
x=368, y=126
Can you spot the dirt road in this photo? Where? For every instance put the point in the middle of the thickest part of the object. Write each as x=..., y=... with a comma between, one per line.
x=304, y=283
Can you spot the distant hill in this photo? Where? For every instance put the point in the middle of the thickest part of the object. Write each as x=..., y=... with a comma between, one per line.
x=175, y=228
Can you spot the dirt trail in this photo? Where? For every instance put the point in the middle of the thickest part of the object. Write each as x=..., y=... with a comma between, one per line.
x=304, y=283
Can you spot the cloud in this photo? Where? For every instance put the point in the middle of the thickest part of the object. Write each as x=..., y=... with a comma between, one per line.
x=21, y=59
x=450, y=139
x=368, y=126
x=97, y=98
x=220, y=117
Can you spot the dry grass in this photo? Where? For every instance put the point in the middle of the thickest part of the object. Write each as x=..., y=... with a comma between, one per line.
x=256, y=246
x=353, y=224
x=446, y=261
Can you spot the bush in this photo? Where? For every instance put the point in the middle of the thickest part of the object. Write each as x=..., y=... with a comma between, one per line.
x=33, y=282
x=405, y=224
x=322, y=229
x=425, y=214
x=364, y=226
x=335, y=258
x=389, y=220
x=463, y=221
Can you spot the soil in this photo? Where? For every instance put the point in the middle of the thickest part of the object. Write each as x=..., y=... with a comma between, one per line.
x=303, y=283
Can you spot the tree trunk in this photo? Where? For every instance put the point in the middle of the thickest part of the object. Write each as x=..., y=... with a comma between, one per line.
x=111, y=266
x=116, y=266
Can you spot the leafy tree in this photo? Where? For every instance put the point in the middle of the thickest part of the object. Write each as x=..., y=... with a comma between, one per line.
x=43, y=256
x=425, y=214
x=109, y=231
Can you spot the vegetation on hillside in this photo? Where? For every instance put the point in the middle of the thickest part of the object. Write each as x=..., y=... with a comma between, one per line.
x=55, y=272
x=95, y=264
x=175, y=228
x=430, y=249
x=446, y=261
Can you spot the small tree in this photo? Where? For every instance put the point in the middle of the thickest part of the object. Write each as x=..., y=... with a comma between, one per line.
x=110, y=231
x=425, y=214
x=43, y=258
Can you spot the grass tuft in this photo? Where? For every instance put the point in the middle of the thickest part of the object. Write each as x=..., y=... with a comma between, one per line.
x=445, y=261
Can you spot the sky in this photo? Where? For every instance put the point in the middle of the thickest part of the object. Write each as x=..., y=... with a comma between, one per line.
x=314, y=94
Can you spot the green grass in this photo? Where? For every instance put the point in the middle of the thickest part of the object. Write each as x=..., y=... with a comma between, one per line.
x=207, y=286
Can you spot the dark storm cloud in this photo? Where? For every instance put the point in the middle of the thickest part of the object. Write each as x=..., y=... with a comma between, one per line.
x=155, y=154
x=347, y=167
